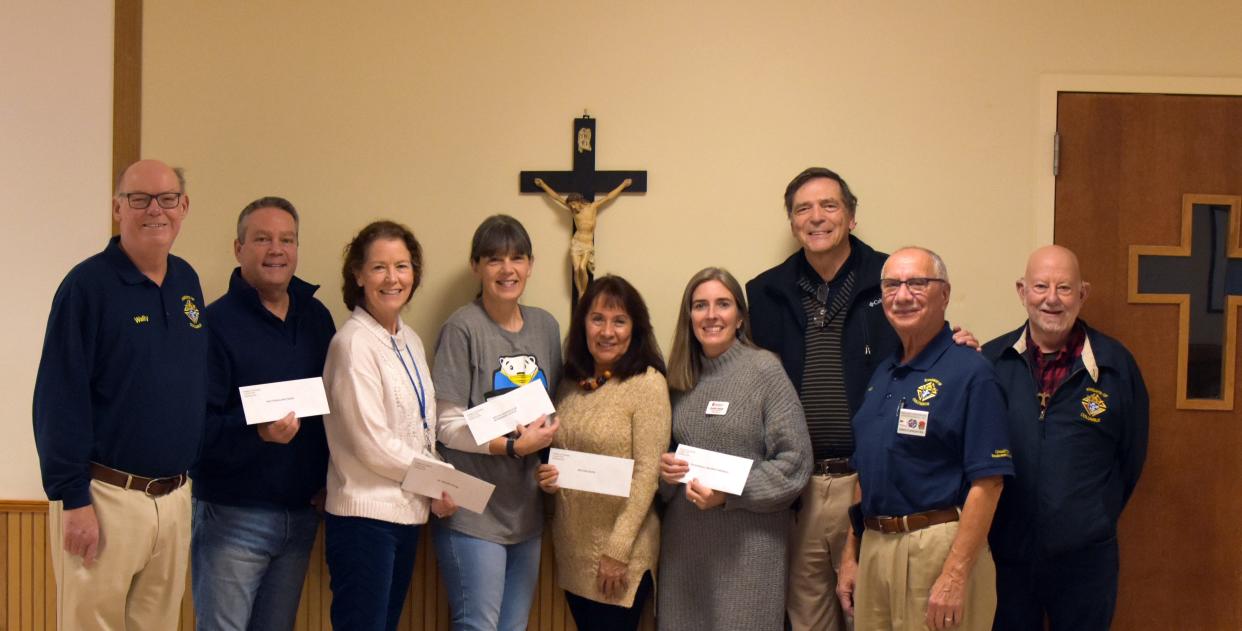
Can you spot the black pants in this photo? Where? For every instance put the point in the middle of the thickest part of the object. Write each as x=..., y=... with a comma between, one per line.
x=591, y=615
x=1077, y=591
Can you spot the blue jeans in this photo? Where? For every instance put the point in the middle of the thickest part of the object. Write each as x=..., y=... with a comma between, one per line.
x=370, y=563
x=490, y=585
x=248, y=565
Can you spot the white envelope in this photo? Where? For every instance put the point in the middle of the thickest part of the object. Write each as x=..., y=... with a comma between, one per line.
x=715, y=470
x=500, y=415
x=267, y=402
x=430, y=478
x=593, y=473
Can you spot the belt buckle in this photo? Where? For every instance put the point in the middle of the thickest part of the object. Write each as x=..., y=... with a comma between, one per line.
x=147, y=489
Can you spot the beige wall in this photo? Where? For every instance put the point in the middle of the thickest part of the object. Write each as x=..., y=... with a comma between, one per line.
x=55, y=160
x=425, y=112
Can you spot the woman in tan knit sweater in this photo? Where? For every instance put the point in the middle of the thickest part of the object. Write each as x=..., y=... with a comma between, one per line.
x=614, y=402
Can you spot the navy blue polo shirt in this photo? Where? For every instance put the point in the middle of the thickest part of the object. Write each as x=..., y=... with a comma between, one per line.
x=930, y=461
x=250, y=345
x=123, y=376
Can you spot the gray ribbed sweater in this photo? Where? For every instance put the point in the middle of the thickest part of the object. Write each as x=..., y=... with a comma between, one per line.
x=725, y=568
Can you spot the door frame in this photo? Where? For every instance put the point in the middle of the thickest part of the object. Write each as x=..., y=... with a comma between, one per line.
x=1050, y=85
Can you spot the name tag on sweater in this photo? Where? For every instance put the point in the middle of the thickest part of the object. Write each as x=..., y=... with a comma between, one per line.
x=717, y=408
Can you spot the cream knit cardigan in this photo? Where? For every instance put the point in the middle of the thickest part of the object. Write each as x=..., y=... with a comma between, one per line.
x=374, y=428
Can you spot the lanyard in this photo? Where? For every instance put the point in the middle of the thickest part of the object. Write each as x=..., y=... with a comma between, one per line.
x=419, y=392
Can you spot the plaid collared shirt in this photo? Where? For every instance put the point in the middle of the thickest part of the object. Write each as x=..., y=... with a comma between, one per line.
x=1051, y=369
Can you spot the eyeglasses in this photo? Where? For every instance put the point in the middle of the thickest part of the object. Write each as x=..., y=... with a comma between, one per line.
x=916, y=285
x=141, y=201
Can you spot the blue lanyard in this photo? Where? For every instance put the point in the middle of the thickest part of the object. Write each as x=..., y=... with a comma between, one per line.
x=420, y=391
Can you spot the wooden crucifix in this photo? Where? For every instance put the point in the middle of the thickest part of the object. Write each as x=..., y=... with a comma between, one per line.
x=577, y=195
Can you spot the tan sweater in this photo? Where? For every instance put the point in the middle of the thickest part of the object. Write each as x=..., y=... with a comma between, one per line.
x=626, y=419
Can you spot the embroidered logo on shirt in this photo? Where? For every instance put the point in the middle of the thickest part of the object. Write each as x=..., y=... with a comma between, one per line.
x=926, y=392
x=1094, y=405
x=191, y=312
x=517, y=371
x=1001, y=453
x=142, y=319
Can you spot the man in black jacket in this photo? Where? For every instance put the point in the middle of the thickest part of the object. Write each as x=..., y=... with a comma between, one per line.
x=254, y=485
x=1078, y=416
x=820, y=312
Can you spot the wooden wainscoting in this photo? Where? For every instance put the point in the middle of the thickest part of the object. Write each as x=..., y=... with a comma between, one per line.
x=26, y=568
x=29, y=587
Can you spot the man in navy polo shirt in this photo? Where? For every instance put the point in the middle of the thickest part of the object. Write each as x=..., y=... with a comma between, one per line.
x=931, y=453
x=1078, y=420
x=254, y=523
x=119, y=402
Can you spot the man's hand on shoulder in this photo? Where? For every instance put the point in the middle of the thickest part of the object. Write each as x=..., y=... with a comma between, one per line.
x=81, y=528
x=962, y=337
x=281, y=431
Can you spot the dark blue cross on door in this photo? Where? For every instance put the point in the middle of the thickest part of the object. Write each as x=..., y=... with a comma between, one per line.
x=1208, y=276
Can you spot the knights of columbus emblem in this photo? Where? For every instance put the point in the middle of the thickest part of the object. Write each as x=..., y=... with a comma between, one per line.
x=191, y=312
x=1094, y=405
x=928, y=391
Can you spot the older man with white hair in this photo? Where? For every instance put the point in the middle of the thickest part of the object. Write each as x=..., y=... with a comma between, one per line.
x=931, y=452
x=1078, y=416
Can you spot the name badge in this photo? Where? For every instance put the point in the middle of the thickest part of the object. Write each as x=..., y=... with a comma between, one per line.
x=717, y=408
x=912, y=422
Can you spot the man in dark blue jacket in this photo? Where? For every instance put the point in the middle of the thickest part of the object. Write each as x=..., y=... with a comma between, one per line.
x=254, y=485
x=1078, y=415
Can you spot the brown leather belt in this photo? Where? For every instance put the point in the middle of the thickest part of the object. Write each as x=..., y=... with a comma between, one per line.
x=153, y=487
x=910, y=523
x=833, y=466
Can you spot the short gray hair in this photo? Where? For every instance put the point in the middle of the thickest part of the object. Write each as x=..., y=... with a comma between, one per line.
x=941, y=270
x=265, y=202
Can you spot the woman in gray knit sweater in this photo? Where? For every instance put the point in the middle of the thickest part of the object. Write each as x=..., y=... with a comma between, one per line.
x=723, y=558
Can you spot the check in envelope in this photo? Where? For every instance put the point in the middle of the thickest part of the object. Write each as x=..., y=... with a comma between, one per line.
x=500, y=415
x=593, y=473
x=430, y=478
x=715, y=470
x=267, y=402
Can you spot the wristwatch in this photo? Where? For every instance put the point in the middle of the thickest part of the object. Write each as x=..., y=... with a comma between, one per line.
x=509, y=447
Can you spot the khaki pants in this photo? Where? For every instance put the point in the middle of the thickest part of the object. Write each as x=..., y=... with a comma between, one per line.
x=138, y=578
x=820, y=529
x=895, y=577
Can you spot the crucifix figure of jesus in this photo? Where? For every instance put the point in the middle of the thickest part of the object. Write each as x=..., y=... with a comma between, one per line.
x=584, y=213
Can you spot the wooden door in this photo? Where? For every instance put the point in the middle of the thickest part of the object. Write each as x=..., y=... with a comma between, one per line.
x=1137, y=171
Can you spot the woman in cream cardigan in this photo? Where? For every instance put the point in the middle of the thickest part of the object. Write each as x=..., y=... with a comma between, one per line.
x=614, y=402
x=383, y=416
